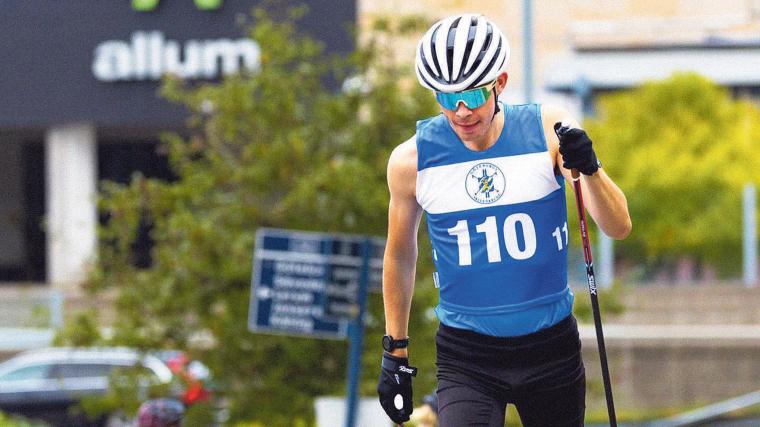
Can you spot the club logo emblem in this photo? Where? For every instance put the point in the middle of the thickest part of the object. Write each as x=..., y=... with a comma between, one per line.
x=485, y=183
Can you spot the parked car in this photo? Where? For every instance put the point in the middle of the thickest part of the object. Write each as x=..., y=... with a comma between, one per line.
x=45, y=384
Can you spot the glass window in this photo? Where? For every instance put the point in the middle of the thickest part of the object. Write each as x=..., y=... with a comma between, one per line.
x=82, y=370
x=34, y=372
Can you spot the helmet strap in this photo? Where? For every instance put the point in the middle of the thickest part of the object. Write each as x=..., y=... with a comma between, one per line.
x=496, y=101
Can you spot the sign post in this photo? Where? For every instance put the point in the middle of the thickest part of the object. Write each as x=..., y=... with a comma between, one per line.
x=356, y=338
x=315, y=285
x=750, y=236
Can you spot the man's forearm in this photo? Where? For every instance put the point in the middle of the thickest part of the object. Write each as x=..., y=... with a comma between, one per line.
x=607, y=204
x=398, y=287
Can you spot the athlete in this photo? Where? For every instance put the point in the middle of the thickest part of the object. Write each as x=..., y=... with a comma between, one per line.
x=490, y=179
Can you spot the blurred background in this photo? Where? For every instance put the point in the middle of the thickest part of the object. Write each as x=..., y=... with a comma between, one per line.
x=145, y=142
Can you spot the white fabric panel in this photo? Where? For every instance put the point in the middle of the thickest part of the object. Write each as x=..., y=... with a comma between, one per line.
x=526, y=177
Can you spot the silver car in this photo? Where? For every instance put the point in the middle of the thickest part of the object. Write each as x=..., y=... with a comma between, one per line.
x=44, y=384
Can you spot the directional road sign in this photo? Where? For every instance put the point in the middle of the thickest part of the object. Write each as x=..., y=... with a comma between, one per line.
x=308, y=284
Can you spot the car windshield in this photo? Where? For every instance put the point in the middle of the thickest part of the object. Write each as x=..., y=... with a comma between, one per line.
x=34, y=372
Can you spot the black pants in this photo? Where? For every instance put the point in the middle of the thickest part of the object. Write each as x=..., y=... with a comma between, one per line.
x=542, y=374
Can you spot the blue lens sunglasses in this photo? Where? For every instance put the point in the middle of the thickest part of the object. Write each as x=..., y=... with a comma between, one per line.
x=472, y=98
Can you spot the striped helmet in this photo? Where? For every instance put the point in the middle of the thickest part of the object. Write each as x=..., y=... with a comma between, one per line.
x=461, y=52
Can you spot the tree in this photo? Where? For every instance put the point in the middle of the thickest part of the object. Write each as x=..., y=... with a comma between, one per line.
x=279, y=148
x=681, y=150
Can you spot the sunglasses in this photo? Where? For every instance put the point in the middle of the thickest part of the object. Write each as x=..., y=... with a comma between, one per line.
x=472, y=98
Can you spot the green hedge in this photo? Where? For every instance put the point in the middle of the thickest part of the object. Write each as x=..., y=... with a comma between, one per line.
x=14, y=421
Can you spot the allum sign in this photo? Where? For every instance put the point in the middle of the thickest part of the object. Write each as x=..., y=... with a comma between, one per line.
x=149, y=55
x=149, y=5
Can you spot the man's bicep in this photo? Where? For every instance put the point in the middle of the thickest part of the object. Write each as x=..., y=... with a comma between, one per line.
x=403, y=212
x=403, y=223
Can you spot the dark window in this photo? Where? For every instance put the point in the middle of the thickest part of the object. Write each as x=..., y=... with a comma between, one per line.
x=118, y=161
x=81, y=370
x=22, y=184
x=34, y=208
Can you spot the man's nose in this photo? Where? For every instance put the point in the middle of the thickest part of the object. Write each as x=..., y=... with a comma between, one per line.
x=462, y=110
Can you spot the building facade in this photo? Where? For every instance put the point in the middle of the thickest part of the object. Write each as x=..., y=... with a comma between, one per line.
x=80, y=105
x=595, y=45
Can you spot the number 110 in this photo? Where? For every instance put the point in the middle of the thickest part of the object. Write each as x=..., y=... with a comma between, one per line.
x=509, y=230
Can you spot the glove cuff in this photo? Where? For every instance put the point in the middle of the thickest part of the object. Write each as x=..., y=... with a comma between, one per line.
x=593, y=168
x=399, y=365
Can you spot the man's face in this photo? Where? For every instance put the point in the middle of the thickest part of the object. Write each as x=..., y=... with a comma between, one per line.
x=473, y=124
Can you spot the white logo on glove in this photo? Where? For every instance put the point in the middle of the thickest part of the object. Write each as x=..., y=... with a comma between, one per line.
x=405, y=369
x=398, y=402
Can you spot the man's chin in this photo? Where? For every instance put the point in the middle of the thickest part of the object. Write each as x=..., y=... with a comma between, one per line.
x=473, y=136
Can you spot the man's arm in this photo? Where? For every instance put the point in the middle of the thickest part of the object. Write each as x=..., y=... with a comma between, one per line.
x=400, y=260
x=604, y=200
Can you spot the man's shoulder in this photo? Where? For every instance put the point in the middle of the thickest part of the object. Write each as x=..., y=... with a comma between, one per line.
x=402, y=168
x=551, y=114
x=405, y=154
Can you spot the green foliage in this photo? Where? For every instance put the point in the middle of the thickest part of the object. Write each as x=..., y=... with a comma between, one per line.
x=278, y=148
x=13, y=421
x=681, y=150
x=82, y=331
x=39, y=316
x=200, y=414
x=128, y=388
x=610, y=303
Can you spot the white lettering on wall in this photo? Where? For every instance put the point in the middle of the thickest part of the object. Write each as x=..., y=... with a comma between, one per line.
x=148, y=56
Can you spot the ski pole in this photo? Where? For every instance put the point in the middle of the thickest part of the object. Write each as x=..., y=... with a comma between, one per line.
x=594, y=298
x=593, y=293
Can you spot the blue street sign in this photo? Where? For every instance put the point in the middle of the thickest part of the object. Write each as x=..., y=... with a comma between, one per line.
x=309, y=283
x=315, y=284
x=377, y=251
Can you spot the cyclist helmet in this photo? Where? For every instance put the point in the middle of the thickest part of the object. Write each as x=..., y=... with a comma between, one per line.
x=160, y=413
x=460, y=53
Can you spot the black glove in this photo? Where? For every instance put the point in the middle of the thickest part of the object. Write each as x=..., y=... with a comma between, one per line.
x=395, y=387
x=577, y=152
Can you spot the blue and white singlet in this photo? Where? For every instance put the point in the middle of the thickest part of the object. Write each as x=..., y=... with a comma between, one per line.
x=497, y=221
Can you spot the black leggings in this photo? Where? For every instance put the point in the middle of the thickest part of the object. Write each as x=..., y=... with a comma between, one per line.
x=542, y=374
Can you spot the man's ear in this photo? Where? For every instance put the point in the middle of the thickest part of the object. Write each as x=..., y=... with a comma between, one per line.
x=501, y=82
